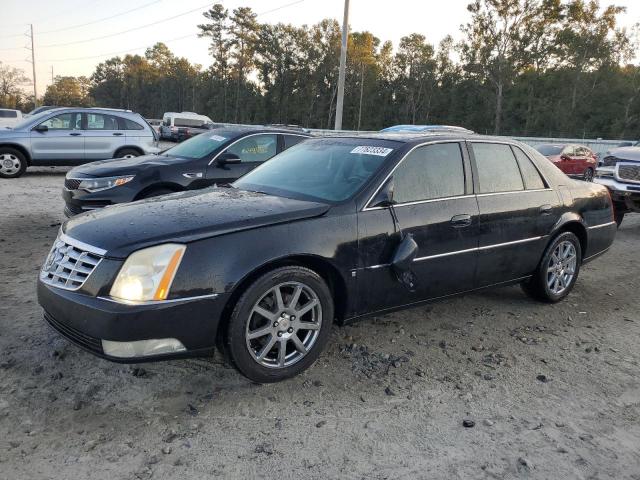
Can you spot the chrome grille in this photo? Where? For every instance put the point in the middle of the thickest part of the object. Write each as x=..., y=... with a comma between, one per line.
x=629, y=172
x=71, y=183
x=68, y=266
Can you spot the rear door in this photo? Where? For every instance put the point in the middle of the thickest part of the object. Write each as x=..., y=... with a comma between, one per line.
x=103, y=136
x=63, y=141
x=517, y=211
x=435, y=204
x=252, y=150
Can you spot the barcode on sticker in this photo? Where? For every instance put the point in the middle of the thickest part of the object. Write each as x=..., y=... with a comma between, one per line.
x=217, y=138
x=380, y=151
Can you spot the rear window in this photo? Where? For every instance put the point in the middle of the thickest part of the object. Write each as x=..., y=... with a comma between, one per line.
x=532, y=178
x=497, y=168
x=8, y=114
x=188, y=122
x=547, y=150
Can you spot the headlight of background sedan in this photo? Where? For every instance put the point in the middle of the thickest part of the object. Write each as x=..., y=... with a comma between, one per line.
x=103, y=183
x=147, y=274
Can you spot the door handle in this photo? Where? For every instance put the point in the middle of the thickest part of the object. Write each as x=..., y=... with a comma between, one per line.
x=75, y=134
x=460, y=221
x=545, y=210
x=118, y=134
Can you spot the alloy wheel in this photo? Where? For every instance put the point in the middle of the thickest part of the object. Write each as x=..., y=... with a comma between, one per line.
x=283, y=325
x=561, y=267
x=9, y=164
x=588, y=175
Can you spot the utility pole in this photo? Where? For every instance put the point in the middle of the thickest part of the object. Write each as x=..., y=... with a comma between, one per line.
x=343, y=65
x=33, y=65
x=52, y=81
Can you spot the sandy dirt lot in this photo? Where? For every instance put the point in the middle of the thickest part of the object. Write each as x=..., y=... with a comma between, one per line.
x=554, y=390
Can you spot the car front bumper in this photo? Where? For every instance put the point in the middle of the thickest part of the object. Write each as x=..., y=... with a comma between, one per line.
x=80, y=201
x=87, y=321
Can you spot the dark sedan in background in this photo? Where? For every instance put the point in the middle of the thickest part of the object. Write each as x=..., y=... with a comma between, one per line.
x=333, y=228
x=576, y=161
x=218, y=156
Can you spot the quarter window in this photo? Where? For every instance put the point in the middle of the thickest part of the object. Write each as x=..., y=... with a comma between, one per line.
x=532, y=178
x=497, y=168
x=430, y=172
x=256, y=148
x=66, y=121
x=291, y=140
x=130, y=124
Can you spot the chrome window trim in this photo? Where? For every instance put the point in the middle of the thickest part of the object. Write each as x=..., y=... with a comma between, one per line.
x=514, y=191
x=602, y=225
x=242, y=138
x=157, y=302
x=458, y=252
x=81, y=245
x=433, y=142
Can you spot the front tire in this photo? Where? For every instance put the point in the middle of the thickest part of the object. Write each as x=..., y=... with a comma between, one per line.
x=280, y=324
x=127, y=153
x=588, y=175
x=558, y=270
x=12, y=163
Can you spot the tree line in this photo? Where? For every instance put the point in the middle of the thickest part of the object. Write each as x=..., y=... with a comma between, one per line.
x=523, y=67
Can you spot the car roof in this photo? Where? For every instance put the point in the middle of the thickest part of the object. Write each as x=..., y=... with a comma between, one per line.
x=404, y=137
x=242, y=130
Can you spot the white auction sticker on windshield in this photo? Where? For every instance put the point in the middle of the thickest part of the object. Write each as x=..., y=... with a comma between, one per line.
x=380, y=151
x=217, y=138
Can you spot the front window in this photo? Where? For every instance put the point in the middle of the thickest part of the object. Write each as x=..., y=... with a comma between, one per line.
x=199, y=146
x=66, y=121
x=327, y=169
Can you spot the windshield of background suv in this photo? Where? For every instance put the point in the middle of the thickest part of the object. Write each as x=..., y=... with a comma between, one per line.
x=200, y=145
x=547, y=150
x=31, y=120
x=328, y=169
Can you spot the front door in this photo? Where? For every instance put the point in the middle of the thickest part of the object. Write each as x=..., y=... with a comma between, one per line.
x=103, y=136
x=517, y=211
x=64, y=139
x=435, y=204
x=252, y=150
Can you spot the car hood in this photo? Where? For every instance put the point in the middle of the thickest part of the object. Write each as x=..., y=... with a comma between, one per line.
x=626, y=153
x=184, y=217
x=124, y=166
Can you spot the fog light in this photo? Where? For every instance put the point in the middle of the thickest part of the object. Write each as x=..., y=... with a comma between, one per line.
x=142, y=348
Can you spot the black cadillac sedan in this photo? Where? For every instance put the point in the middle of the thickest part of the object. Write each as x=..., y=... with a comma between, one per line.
x=333, y=229
x=220, y=155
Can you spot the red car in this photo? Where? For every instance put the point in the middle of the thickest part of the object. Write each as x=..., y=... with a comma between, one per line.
x=576, y=161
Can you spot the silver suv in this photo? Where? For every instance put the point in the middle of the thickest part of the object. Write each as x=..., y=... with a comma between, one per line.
x=71, y=136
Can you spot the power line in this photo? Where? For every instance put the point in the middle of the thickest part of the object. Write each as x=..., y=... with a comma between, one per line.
x=280, y=8
x=129, y=50
x=101, y=19
x=125, y=31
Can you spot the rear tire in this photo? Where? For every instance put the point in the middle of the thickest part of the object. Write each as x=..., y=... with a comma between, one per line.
x=588, y=175
x=13, y=163
x=558, y=270
x=274, y=336
x=127, y=153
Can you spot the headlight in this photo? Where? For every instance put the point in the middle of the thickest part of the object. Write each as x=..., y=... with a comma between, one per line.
x=98, y=184
x=147, y=274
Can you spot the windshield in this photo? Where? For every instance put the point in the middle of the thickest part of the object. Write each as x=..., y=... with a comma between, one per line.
x=547, y=150
x=327, y=169
x=31, y=120
x=199, y=146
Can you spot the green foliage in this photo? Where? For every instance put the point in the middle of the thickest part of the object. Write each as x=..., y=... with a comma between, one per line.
x=524, y=67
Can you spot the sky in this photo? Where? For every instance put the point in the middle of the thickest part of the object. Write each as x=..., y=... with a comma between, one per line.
x=73, y=36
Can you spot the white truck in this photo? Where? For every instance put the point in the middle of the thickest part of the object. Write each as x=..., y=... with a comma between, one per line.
x=619, y=171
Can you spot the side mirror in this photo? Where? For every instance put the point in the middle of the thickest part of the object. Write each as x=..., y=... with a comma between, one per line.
x=228, y=158
x=384, y=197
x=41, y=128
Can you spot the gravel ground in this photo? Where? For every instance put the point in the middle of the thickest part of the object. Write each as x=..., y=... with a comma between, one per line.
x=546, y=391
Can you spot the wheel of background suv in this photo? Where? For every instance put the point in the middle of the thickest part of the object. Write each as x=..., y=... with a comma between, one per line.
x=558, y=270
x=127, y=153
x=156, y=193
x=12, y=163
x=280, y=324
x=588, y=175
